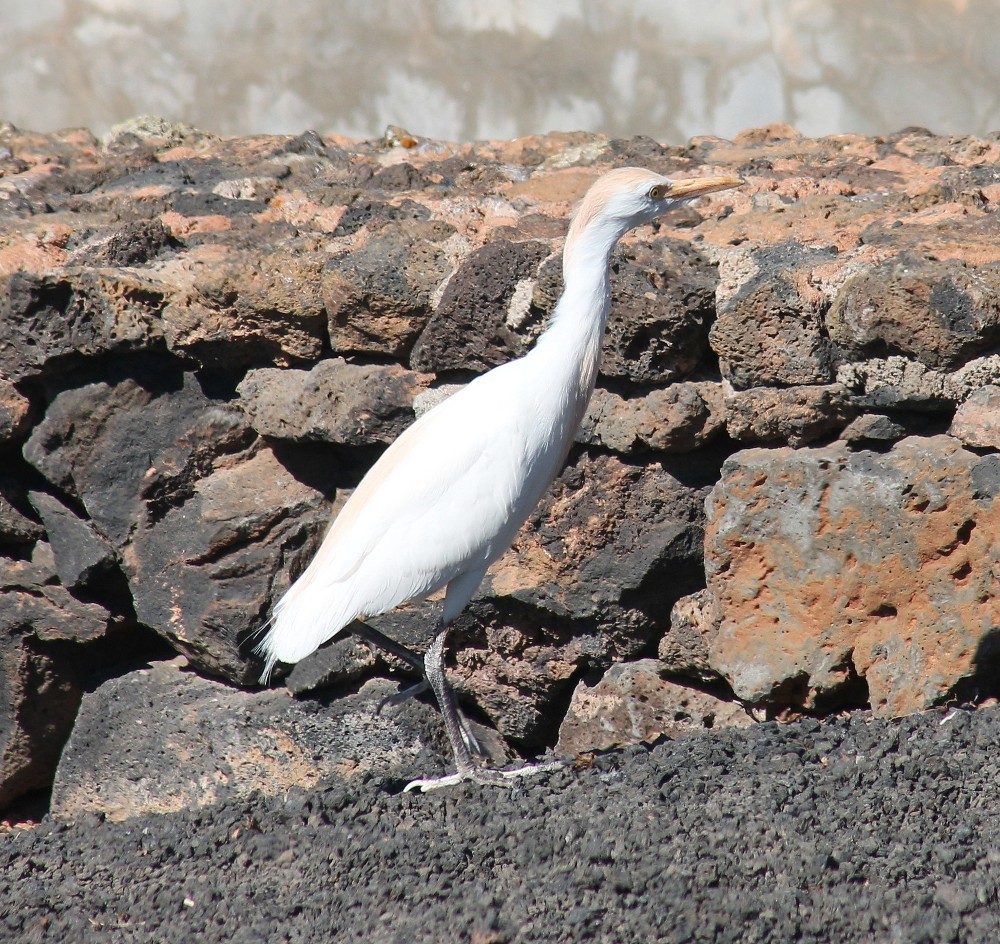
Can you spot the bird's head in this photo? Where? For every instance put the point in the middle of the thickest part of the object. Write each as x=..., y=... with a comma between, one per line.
x=630, y=196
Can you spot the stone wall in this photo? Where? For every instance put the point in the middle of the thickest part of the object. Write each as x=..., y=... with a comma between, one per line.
x=785, y=497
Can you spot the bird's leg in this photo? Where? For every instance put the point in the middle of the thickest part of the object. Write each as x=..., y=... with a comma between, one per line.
x=371, y=635
x=375, y=638
x=434, y=671
x=405, y=694
x=465, y=768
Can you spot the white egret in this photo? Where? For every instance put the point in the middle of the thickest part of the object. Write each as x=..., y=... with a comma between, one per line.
x=446, y=499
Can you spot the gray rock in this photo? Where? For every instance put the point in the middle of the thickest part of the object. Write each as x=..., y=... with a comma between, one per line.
x=151, y=128
x=379, y=296
x=162, y=739
x=426, y=400
x=82, y=555
x=684, y=649
x=796, y=415
x=872, y=427
x=335, y=401
x=469, y=330
x=979, y=372
x=662, y=304
x=903, y=383
x=17, y=531
x=136, y=264
x=341, y=661
x=633, y=704
x=130, y=244
x=768, y=333
x=206, y=567
x=113, y=445
x=678, y=418
x=594, y=547
x=939, y=312
x=977, y=420
x=207, y=522
x=44, y=632
x=51, y=320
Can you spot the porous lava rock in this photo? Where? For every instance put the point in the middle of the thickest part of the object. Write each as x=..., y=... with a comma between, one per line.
x=632, y=703
x=246, y=308
x=768, y=333
x=683, y=650
x=977, y=420
x=938, y=312
x=48, y=648
x=160, y=739
x=335, y=401
x=210, y=557
x=795, y=415
x=52, y=320
x=678, y=418
x=470, y=329
x=831, y=567
x=197, y=510
x=662, y=306
x=380, y=295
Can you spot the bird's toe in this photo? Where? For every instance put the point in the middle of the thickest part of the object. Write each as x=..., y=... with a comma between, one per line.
x=492, y=778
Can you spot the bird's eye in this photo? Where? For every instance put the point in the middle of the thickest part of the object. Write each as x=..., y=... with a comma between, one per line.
x=658, y=192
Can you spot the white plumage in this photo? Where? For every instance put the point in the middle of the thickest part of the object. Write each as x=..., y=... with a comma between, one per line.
x=446, y=499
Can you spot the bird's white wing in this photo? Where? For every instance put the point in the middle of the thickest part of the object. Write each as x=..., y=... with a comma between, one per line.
x=440, y=493
x=444, y=500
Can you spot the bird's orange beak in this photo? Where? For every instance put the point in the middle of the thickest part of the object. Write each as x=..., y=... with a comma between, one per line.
x=687, y=187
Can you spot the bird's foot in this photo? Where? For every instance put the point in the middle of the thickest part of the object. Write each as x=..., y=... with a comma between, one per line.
x=493, y=778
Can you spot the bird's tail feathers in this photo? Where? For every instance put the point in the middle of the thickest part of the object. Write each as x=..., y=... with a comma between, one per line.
x=260, y=648
x=304, y=618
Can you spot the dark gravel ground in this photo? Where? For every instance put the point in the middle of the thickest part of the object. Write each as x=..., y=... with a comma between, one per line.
x=853, y=830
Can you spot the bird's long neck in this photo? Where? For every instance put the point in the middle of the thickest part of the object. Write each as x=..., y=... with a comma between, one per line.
x=578, y=322
x=576, y=330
